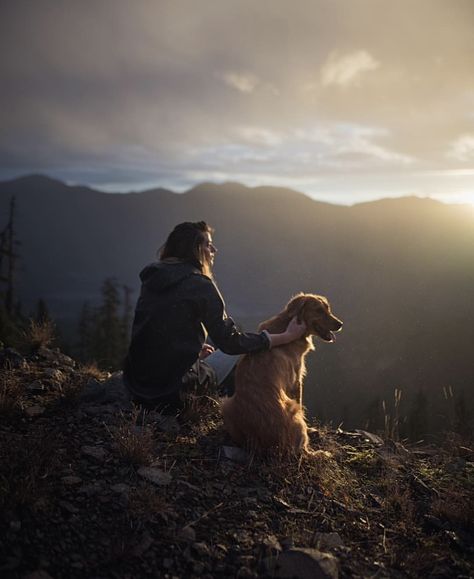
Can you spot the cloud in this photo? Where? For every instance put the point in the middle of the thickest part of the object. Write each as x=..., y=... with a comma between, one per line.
x=347, y=69
x=243, y=82
x=218, y=89
x=462, y=149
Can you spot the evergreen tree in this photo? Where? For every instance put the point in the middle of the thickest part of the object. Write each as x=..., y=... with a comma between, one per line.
x=108, y=342
x=85, y=332
x=126, y=316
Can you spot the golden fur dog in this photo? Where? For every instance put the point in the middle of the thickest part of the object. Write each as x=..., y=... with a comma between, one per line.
x=266, y=411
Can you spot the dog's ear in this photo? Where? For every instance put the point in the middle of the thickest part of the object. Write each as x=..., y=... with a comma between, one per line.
x=296, y=307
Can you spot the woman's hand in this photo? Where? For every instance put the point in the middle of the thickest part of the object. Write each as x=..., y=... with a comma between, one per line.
x=206, y=351
x=295, y=329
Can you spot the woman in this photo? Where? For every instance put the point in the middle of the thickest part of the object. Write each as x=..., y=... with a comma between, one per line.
x=178, y=303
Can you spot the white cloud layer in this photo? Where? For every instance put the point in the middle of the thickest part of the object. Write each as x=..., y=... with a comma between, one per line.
x=347, y=69
x=462, y=148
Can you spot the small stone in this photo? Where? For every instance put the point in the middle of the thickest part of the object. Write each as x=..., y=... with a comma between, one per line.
x=155, y=475
x=15, y=526
x=328, y=540
x=68, y=507
x=35, y=386
x=120, y=488
x=187, y=534
x=271, y=545
x=54, y=374
x=33, y=411
x=167, y=563
x=96, y=452
x=71, y=480
x=198, y=567
x=303, y=564
x=245, y=573
x=39, y=574
x=91, y=490
x=235, y=454
x=201, y=549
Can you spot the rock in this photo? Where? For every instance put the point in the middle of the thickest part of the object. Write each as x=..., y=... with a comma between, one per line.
x=155, y=475
x=303, y=564
x=115, y=390
x=187, y=534
x=234, y=453
x=15, y=526
x=96, y=452
x=143, y=546
x=328, y=540
x=245, y=573
x=33, y=411
x=36, y=386
x=39, y=574
x=201, y=549
x=198, y=567
x=120, y=488
x=91, y=490
x=56, y=356
x=10, y=358
x=271, y=546
x=67, y=506
x=94, y=391
x=371, y=437
x=165, y=423
x=71, y=480
x=54, y=374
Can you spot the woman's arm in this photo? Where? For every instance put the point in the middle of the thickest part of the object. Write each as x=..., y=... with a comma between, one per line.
x=228, y=338
x=294, y=331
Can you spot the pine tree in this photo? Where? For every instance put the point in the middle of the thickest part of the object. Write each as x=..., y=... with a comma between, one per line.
x=108, y=339
x=85, y=332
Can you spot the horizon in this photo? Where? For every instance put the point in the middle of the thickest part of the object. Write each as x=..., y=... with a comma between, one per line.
x=153, y=187
x=321, y=97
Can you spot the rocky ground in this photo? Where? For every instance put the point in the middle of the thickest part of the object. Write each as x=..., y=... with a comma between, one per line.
x=91, y=488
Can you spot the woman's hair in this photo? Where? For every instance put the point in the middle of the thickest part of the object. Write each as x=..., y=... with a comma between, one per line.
x=186, y=242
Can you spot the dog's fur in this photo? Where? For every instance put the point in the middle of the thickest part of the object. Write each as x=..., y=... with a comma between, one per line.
x=266, y=411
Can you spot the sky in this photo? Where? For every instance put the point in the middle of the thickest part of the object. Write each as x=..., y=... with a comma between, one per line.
x=345, y=100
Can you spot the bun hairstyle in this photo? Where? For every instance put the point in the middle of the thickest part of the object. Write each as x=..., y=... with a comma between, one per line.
x=186, y=242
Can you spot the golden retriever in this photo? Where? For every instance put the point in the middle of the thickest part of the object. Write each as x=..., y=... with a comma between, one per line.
x=266, y=411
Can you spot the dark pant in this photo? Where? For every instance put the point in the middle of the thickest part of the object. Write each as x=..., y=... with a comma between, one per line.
x=199, y=380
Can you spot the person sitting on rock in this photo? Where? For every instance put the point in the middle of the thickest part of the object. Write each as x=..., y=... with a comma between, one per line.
x=179, y=305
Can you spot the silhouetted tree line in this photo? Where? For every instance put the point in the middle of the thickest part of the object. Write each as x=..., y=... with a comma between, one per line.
x=103, y=331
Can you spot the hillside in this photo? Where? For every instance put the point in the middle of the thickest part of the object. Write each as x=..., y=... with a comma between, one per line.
x=399, y=272
x=89, y=488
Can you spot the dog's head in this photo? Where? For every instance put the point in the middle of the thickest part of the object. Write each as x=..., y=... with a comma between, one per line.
x=315, y=312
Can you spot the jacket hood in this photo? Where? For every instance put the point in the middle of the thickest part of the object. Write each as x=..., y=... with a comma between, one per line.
x=161, y=275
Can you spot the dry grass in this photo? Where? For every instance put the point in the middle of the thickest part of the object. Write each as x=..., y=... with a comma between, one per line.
x=145, y=504
x=38, y=335
x=91, y=370
x=11, y=393
x=26, y=461
x=134, y=439
x=455, y=507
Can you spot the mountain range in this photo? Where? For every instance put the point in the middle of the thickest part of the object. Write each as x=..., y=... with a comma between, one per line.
x=398, y=272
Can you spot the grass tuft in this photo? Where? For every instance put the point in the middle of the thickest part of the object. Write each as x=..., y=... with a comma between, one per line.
x=38, y=335
x=134, y=439
x=11, y=393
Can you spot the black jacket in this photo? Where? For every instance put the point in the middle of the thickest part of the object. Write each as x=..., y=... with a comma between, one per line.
x=176, y=303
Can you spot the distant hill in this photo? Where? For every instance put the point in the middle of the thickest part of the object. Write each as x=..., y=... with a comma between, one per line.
x=399, y=272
